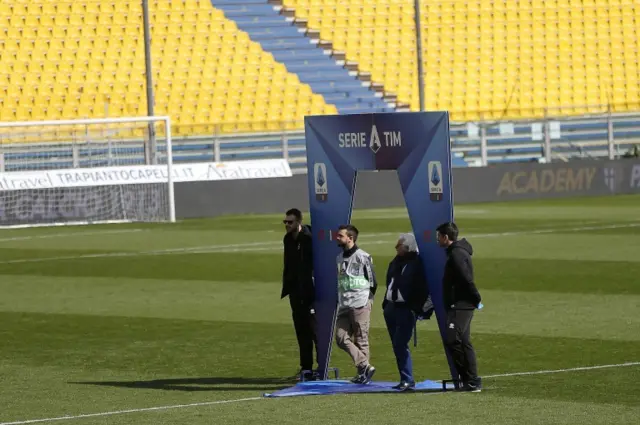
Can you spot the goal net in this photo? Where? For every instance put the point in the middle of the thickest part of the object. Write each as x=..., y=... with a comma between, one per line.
x=86, y=171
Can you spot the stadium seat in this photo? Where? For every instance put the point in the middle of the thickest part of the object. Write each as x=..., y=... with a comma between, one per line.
x=492, y=58
x=73, y=56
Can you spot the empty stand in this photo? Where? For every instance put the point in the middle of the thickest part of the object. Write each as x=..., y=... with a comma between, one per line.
x=62, y=59
x=296, y=51
x=492, y=59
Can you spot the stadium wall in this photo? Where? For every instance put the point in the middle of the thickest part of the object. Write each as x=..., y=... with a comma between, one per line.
x=495, y=183
x=504, y=182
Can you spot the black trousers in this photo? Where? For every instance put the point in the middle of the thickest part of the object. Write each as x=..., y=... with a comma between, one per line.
x=458, y=341
x=304, y=324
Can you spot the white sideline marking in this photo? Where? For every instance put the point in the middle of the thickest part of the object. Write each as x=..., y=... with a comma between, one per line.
x=573, y=369
x=120, y=412
x=241, y=248
x=188, y=250
x=69, y=234
x=210, y=403
x=554, y=230
x=274, y=245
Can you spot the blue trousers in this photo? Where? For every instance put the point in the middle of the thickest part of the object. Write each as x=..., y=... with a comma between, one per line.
x=400, y=322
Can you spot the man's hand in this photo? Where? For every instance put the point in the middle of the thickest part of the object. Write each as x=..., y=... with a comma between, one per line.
x=427, y=310
x=425, y=315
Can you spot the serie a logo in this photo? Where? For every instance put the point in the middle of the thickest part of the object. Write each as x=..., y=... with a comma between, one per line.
x=435, y=181
x=320, y=182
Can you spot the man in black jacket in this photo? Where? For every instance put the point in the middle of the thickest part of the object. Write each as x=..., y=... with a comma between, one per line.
x=461, y=298
x=297, y=283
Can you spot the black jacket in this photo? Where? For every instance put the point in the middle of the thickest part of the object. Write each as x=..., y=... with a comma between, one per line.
x=459, y=289
x=297, y=274
x=408, y=278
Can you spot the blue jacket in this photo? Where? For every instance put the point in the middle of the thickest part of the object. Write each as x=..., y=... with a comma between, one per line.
x=408, y=277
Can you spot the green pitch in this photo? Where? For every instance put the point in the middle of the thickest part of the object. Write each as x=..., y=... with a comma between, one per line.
x=100, y=319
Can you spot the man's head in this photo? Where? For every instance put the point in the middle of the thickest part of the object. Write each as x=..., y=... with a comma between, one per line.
x=447, y=233
x=406, y=243
x=347, y=236
x=292, y=220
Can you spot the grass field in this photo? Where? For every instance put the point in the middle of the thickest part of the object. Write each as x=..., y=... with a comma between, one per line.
x=106, y=319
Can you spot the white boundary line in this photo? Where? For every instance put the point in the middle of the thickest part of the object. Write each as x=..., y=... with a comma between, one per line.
x=555, y=230
x=210, y=403
x=256, y=246
x=367, y=236
x=69, y=235
x=121, y=412
x=573, y=369
x=277, y=245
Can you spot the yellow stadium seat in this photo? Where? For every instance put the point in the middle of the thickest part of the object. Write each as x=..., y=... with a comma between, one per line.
x=87, y=60
x=497, y=37
x=475, y=54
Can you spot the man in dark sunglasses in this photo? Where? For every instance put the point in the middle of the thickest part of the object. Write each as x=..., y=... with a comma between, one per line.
x=297, y=283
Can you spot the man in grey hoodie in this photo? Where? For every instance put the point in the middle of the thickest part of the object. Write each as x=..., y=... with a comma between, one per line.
x=356, y=289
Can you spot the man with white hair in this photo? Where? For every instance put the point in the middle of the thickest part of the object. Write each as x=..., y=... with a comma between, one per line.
x=406, y=297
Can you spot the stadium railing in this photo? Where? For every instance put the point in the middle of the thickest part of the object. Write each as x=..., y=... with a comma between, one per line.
x=473, y=144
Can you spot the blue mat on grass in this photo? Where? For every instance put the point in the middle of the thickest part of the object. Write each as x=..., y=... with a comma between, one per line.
x=340, y=386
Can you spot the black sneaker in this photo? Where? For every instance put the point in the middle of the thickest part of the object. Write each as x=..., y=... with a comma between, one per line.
x=358, y=379
x=404, y=386
x=476, y=385
x=297, y=376
x=474, y=388
x=368, y=373
x=304, y=375
x=470, y=388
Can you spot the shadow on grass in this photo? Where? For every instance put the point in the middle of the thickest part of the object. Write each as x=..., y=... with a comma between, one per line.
x=201, y=384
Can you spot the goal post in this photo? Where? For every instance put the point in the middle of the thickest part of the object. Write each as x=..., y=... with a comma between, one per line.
x=86, y=171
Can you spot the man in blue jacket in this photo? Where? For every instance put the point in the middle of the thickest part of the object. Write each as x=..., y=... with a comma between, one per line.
x=461, y=298
x=406, y=298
